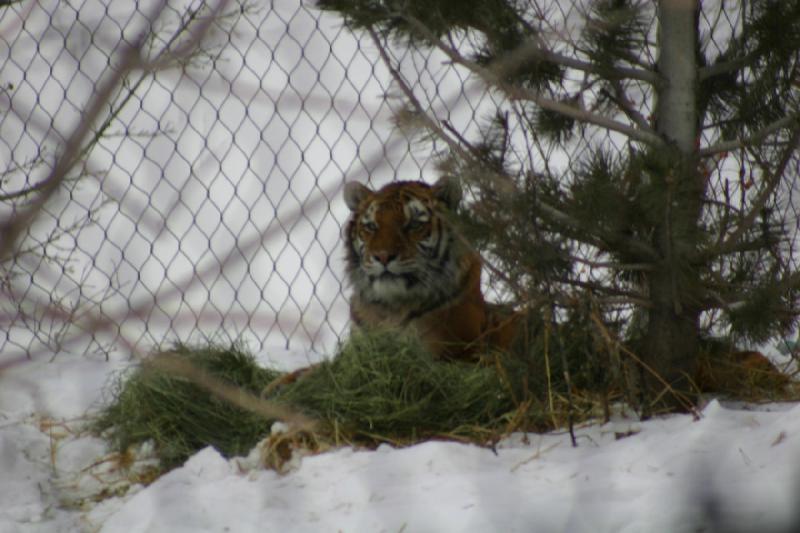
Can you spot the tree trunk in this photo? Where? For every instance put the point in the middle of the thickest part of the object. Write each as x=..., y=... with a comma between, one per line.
x=671, y=336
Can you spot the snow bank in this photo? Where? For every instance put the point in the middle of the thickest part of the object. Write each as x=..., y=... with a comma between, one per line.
x=735, y=469
x=675, y=474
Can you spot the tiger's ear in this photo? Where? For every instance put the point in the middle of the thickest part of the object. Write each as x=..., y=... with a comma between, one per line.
x=448, y=191
x=354, y=193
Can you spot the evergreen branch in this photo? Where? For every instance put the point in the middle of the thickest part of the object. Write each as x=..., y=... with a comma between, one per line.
x=628, y=296
x=726, y=67
x=494, y=77
x=621, y=100
x=732, y=299
x=756, y=245
x=632, y=246
x=434, y=127
x=463, y=140
x=756, y=138
x=609, y=301
x=629, y=267
x=533, y=50
x=601, y=239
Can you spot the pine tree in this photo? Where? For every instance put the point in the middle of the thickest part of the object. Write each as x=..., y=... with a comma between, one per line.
x=683, y=119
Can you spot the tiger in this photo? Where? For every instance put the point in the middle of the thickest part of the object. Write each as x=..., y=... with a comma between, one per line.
x=409, y=269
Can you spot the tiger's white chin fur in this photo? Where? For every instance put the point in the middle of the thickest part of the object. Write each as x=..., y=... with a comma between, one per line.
x=388, y=289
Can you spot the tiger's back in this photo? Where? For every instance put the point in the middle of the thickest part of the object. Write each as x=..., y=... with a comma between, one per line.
x=409, y=269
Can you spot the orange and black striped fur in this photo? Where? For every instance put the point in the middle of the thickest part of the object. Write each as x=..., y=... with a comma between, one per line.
x=408, y=268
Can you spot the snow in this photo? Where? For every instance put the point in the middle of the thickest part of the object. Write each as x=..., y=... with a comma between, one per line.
x=736, y=468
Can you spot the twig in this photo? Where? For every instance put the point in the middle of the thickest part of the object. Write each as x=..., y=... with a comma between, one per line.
x=570, y=403
x=533, y=457
x=422, y=114
x=619, y=97
x=685, y=402
x=773, y=180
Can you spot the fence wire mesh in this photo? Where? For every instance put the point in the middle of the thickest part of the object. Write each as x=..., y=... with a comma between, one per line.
x=206, y=202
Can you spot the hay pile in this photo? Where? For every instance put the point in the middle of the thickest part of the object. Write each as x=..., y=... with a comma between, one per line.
x=180, y=416
x=388, y=387
x=381, y=387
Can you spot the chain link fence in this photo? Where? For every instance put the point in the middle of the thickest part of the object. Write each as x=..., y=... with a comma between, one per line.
x=207, y=204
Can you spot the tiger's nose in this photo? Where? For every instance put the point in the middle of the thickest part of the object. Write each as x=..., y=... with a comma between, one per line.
x=384, y=258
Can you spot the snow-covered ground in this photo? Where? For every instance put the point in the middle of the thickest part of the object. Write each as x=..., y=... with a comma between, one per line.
x=735, y=469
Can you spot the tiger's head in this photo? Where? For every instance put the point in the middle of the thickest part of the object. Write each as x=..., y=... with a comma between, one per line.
x=400, y=251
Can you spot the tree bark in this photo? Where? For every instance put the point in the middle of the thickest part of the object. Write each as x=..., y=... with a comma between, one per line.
x=671, y=336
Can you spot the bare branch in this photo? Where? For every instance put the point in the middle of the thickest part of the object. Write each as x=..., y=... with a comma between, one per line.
x=177, y=366
x=197, y=31
x=74, y=148
x=596, y=237
x=726, y=67
x=16, y=225
x=629, y=267
x=99, y=132
x=22, y=193
x=620, y=98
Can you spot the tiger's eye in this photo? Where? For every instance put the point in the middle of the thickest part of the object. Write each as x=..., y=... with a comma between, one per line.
x=368, y=225
x=414, y=224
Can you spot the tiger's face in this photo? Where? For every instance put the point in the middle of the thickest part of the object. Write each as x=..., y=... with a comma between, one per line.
x=399, y=247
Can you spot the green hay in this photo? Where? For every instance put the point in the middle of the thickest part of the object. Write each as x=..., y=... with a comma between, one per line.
x=386, y=386
x=381, y=387
x=181, y=417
